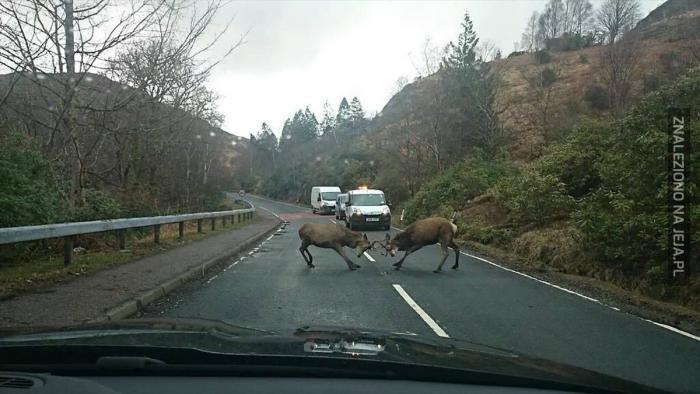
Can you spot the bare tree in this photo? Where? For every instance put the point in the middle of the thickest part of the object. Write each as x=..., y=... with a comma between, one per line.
x=427, y=62
x=550, y=24
x=528, y=42
x=580, y=15
x=618, y=63
x=616, y=17
x=487, y=50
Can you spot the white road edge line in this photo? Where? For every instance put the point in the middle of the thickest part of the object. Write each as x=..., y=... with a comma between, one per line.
x=370, y=257
x=276, y=215
x=670, y=328
x=426, y=318
x=333, y=221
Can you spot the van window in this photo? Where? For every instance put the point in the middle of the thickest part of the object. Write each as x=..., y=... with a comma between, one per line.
x=329, y=196
x=368, y=199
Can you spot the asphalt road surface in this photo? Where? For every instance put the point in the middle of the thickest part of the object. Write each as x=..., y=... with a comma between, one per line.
x=272, y=288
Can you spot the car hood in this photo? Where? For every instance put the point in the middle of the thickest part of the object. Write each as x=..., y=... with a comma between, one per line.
x=315, y=341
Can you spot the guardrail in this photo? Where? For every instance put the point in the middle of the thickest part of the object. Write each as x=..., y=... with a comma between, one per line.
x=68, y=231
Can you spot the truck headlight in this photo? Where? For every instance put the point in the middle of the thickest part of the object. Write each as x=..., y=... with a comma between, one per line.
x=386, y=211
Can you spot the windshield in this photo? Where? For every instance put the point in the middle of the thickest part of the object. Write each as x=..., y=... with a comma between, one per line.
x=329, y=196
x=368, y=199
x=524, y=175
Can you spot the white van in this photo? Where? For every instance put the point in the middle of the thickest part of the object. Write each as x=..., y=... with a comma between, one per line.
x=340, y=206
x=367, y=207
x=323, y=198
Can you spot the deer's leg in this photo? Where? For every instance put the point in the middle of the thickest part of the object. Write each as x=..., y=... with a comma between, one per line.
x=399, y=263
x=455, y=247
x=351, y=265
x=305, y=248
x=445, y=254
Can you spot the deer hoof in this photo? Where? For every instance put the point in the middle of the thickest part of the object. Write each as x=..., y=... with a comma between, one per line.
x=397, y=264
x=454, y=267
x=397, y=267
x=437, y=271
x=312, y=266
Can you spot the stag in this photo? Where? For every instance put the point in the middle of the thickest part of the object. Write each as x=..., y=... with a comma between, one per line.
x=421, y=233
x=331, y=236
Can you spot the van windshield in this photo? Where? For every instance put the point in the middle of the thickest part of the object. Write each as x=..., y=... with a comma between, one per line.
x=329, y=196
x=368, y=199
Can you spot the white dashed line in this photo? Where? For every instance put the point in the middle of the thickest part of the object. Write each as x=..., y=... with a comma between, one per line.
x=333, y=221
x=370, y=257
x=423, y=315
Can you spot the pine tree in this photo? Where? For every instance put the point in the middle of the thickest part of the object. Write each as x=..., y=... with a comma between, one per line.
x=463, y=54
x=344, y=114
x=357, y=114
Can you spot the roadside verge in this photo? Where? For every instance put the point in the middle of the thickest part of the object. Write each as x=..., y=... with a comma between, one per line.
x=121, y=291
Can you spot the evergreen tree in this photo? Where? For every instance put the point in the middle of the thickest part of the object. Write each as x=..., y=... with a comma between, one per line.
x=462, y=54
x=344, y=114
x=357, y=114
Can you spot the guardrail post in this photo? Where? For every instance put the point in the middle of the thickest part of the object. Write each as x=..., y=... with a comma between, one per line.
x=181, y=231
x=199, y=225
x=223, y=221
x=121, y=239
x=213, y=224
x=156, y=233
x=68, y=250
x=239, y=218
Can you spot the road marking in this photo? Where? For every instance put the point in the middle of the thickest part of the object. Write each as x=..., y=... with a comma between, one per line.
x=370, y=257
x=212, y=278
x=275, y=214
x=670, y=328
x=674, y=329
x=426, y=318
x=332, y=221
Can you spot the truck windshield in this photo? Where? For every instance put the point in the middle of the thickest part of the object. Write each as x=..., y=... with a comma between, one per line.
x=329, y=196
x=368, y=199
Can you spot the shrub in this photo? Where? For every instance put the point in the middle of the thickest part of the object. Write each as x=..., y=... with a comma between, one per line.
x=597, y=97
x=583, y=58
x=548, y=76
x=96, y=205
x=516, y=53
x=542, y=56
x=28, y=194
x=451, y=190
x=533, y=197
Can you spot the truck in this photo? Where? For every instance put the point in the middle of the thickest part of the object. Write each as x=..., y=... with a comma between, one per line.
x=323, y=199
x=367, y=208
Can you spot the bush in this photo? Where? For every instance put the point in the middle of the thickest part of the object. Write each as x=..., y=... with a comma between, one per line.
x=583, y=58
x=96, y=205
x=548, y=76
x=542, y=56
x=532, y=197
x=451, y=190
x=28, y=194
x=597, y=97
x=516, y=53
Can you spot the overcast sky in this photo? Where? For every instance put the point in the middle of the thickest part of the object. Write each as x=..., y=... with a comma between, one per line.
x=301, y=54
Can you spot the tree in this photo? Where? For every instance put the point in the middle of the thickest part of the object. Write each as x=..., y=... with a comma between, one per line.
x=528, y=41
x=618, y=64
x=550, y=24
x=616, y=17
x=428, y=60
x=463, y=54
x=328, y=122
x=357, y=114
x=344, y=114
x=580, y=15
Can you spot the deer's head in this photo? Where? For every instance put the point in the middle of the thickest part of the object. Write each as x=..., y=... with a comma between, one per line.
x=389, y=247
x=363, y=245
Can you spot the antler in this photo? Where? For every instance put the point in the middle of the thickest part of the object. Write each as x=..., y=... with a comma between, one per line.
x=383, y=245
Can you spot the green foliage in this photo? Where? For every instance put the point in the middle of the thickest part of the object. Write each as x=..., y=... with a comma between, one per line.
x=542, y=56
x=597, y=97
x=28, y=194
x=625, y=221
x=533, y=197
x=450, y=191
x=583, y=58
x=95, y=205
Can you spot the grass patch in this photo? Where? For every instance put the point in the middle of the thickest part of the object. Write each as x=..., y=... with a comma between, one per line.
x=26, y=274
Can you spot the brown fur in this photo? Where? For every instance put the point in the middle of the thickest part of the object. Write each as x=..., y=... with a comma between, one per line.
x=425, y=232
x=331, y=236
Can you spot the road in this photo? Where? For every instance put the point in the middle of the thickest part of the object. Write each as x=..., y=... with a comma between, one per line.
x=272, y=288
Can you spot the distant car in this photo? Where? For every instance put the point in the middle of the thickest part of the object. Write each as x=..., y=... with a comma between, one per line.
x=241, y=193
x=323, y=199
x=340, y=206
x=367, y=208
